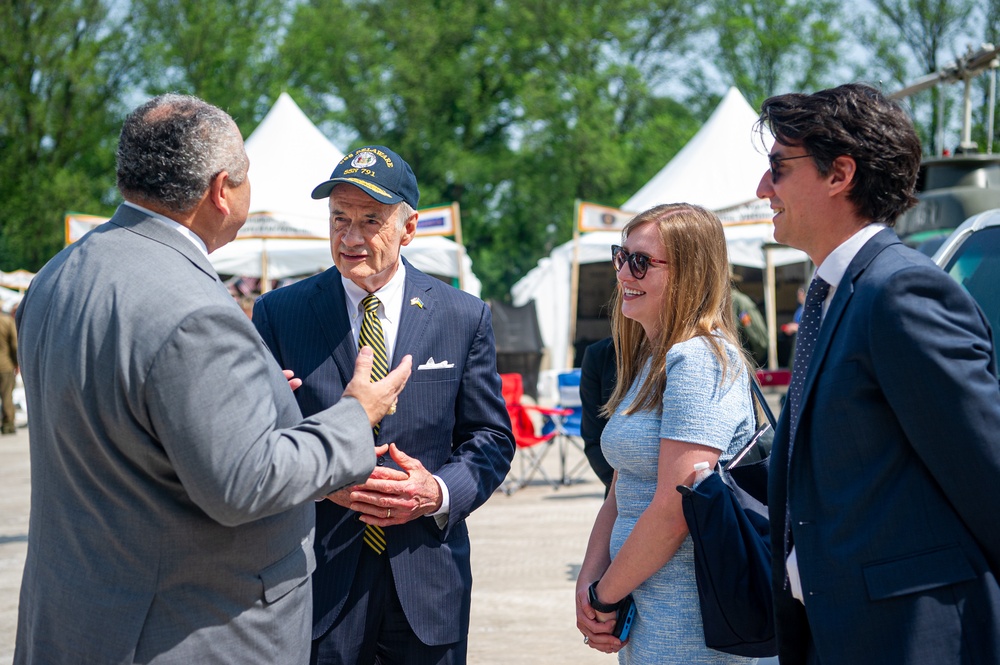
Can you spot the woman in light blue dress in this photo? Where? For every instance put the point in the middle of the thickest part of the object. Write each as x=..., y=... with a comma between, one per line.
x=682, y=397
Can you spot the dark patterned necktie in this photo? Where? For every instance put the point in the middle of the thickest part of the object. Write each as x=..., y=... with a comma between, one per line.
x=371, y=335
x=805, y=342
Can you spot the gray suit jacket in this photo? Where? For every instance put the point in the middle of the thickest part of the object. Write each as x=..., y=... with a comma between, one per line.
x=172, y=521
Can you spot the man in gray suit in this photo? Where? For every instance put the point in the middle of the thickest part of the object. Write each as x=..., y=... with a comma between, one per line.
x=173, y=477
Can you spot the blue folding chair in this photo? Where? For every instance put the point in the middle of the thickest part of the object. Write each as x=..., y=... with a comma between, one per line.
x=568, y=427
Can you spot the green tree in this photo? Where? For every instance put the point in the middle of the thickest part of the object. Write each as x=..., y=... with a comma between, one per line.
x=511, y=108
x=991, y=35
x=775, y=46
x=909, y=39
x=63, y=64
x=432, y=80
x=223, y=51
x=592, y=127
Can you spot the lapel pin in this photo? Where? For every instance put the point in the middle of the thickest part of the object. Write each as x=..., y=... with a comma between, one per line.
x=418, y=302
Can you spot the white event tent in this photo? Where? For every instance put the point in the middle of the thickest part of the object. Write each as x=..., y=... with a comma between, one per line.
x=287, y=231
x=9, y=298
x=17, y=280
x=719, y=169
x=725, y=145
x=549, y=285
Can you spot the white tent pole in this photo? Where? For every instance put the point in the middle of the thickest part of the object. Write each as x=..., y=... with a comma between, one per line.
x=574, y=283
x=967, y=143
x=992, y=110
x=460, y=250
x=770, y=309
x=265, y=283
x=940, y=124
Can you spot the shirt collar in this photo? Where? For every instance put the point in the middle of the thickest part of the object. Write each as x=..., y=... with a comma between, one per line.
x=180, y=228
x=390, y=295
x=833, y=268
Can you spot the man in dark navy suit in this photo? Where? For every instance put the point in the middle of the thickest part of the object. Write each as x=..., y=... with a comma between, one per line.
x=393, y=580
x=883, y=493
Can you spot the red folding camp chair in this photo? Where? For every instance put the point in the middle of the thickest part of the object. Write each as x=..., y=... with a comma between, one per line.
x=532, y=443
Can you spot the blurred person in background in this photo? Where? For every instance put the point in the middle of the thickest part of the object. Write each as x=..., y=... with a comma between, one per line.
x=791, y=328
x=750, y=325
x=8, y=371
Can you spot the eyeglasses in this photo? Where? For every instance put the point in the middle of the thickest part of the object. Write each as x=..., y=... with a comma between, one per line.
x=776, y=164
x=638, y=263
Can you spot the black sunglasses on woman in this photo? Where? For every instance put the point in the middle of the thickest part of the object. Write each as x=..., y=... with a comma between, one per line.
x=638, y=263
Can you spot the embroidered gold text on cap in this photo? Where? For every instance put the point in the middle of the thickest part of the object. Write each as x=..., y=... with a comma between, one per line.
x=365, y=183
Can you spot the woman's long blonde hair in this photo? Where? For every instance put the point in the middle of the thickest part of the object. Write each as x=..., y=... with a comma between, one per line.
x=696, y=303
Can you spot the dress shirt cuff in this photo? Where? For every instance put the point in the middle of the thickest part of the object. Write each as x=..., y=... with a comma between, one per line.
x=441, y=514
x=794, y=582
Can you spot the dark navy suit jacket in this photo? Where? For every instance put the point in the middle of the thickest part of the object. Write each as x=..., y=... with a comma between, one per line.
x=597, y=382
x=453, y=420
x=891, y=488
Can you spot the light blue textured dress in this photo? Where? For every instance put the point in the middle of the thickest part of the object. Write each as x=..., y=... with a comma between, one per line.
x=697, y=409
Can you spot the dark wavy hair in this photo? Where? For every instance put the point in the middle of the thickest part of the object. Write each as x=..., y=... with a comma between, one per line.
x=172, y=146
x=855, y=120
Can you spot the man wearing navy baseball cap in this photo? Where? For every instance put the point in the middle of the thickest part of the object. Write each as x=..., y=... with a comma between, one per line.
x=378, y=172
x=393, y=578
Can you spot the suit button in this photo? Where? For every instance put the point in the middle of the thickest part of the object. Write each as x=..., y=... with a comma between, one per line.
x=380, y=461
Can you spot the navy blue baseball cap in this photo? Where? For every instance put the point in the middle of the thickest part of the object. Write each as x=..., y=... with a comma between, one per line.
x=378, y=172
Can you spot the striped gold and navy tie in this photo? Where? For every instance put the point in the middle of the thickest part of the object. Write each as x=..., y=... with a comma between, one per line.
x=371, y=335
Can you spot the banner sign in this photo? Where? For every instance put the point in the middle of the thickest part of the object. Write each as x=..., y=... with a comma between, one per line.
x=78, y=225
x=594, y=217
x=271, y=225
x=437, y=221
x=754, y=212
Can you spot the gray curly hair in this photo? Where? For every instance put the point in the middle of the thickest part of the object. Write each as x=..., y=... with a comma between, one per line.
x=172, y=146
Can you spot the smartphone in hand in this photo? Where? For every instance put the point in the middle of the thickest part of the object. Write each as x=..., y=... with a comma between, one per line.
x=624, y=617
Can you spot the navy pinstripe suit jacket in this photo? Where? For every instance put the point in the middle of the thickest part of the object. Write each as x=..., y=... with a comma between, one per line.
x=453, y=420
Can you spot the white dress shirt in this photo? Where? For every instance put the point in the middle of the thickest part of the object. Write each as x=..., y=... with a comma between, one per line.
x=390, y=308
x=389, y=311
x=180, y=228
x=832, y=271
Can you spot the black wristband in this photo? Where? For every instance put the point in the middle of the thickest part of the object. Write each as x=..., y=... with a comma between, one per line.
x=596, y=603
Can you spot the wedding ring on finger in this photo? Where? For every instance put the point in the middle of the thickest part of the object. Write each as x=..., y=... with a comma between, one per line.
x=586, y=639
x=392, y=409
x=388, y=513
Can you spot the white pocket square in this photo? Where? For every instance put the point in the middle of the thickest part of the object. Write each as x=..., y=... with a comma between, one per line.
x=430, y=364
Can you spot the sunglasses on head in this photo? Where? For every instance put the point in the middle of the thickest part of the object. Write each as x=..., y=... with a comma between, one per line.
x=638, y=263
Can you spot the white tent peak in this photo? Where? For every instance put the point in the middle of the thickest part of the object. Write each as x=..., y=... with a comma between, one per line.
x=289, y=156
x=723, y=147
